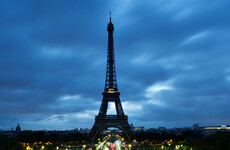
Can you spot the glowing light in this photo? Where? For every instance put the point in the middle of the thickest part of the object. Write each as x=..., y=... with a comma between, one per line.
x=117, y=143
x=112, y=147
x=28, y=148
x=106, y=148
x=101, y=144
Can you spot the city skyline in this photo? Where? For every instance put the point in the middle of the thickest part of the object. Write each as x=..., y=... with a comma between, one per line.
x=171, y=62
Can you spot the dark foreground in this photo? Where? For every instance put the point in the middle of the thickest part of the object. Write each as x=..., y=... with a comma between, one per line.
x=187, y=140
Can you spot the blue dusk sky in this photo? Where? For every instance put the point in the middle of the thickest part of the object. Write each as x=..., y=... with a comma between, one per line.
x=172, y=62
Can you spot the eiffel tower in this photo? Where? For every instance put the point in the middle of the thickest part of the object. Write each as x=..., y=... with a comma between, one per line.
x=110, y=94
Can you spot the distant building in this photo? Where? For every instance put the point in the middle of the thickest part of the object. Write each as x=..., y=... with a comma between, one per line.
x=18, y=128
x=162, y=128
x=132, y=127
x=76, y=129
x=195, y=126
x=223, y=127
x=139, y=129
x=151, y=130
x=7, y=132
x=214, y=129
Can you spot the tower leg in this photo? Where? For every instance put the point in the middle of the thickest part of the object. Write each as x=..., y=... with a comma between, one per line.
x=101, y=124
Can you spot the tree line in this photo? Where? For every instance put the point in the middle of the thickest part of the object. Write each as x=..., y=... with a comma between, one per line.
x=189, y=138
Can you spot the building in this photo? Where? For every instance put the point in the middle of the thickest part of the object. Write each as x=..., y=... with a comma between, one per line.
x=214, y=129
x=139, y=129
x=18, y=129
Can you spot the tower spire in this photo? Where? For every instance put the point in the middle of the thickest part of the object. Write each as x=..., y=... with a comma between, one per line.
x=111, y=81
x=110, y=17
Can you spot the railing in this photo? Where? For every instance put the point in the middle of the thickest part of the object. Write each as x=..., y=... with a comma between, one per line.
x=112, y=117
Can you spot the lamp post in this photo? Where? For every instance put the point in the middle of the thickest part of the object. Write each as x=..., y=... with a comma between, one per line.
x=130, y=146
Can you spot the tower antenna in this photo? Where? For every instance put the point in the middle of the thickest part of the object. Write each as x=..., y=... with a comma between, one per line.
x=110, y=16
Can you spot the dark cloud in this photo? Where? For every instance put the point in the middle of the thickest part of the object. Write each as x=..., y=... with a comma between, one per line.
x=171, y=60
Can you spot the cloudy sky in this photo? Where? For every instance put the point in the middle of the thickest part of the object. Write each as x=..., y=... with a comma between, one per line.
x=172, y=61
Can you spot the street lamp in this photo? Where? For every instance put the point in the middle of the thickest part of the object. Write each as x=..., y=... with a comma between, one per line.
x=84, y=146
x=130, y=146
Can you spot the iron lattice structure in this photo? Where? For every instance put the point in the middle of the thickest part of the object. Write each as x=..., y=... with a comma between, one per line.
x=110, y=94
x=111, y=80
